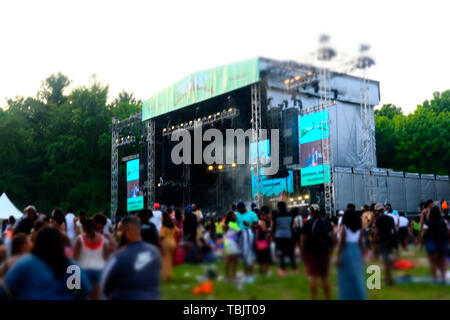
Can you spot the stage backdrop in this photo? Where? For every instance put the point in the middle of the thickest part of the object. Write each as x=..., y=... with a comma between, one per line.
x=201, y=86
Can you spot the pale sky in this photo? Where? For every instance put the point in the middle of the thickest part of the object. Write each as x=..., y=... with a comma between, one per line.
x=144, y=46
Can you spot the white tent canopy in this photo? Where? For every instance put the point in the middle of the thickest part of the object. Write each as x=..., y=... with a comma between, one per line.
x=7, y=208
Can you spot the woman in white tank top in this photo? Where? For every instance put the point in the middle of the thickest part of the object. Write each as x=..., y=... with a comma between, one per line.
x=90, y=252
x=350, y=258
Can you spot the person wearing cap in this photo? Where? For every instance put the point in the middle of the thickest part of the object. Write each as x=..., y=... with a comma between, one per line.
x=157, y=216
x=247, y=220
x=385, y=228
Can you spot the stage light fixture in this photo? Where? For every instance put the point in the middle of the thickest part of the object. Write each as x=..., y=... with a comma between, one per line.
x=292, y=199
x=310, y=74
x=306, y=196
x=300, y=198
x=230, y=110
x=210, y=116
x=292, y=80
x=210, y=168
x=218, y=114
x=117, y=140
x=220, y=167
x=298, y=78
x=286, y=81
x=165, y=129
x=199, y=119
x=159, y=185
x=182, y=125
x=190, y=122
x=173, y=127
x=233, y=165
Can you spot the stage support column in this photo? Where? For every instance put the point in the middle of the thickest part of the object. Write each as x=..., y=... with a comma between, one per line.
x=114, y=165
x=256, y=134
x=150, y=125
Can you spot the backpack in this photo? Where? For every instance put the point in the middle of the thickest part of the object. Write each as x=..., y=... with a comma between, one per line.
x=320, y=235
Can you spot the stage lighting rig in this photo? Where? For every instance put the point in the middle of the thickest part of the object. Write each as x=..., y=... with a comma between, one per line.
x=200, y=121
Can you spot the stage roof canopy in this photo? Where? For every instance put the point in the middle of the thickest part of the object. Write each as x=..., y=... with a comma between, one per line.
x=202, y=85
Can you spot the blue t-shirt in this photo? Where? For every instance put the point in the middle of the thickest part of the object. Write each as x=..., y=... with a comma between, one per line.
x=248, y=216
x=32, y=279
x=133, y=273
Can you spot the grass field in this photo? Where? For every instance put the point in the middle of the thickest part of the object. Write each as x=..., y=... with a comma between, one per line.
x=295, y=287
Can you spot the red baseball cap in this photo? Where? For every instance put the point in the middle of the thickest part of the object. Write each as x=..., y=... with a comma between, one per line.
x=156, y=206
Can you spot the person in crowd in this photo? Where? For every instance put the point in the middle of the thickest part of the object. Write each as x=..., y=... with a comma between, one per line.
x=415, y=226
x=297, y=225
x=389, y=211
x=133, y=272
x=167, y=234
x=43, y=274
x=100, y=222
x=425, y=214
x=119, y=215
x=436, y=238
x=156, y=218
x=178, y=220
x=79, y=222
x=20, y=245
x=403, y=230
x=366, y=223
x=149, y=231
x=5, y=249
x=247, y=220
x=421, y=206
x=317, y=244
x=219, y=228
x=231, y=245
x=190, y=235
x=91, y=252
x=444, y=207
x=38, y=225
x=198, y=213
x=26, y=222
x=284, y=238
x=70, y=224
x=262, y=240
x=350, y=258
x=108, y=228
x=385, y=229
x=58, y=221
x=340, y=216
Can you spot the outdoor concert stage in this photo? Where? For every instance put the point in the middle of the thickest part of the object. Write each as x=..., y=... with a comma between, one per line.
x=323, y=129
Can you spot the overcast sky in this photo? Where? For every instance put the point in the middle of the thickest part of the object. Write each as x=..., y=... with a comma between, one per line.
x=144, y=46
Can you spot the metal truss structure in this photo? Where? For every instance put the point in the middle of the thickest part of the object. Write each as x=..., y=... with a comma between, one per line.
x=256, y=135
x=151, y=179
x=120, y=135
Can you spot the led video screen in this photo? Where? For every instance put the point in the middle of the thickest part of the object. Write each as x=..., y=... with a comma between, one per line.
x=135, y=197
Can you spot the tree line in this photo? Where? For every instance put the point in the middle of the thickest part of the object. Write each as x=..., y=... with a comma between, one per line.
x=55, y=148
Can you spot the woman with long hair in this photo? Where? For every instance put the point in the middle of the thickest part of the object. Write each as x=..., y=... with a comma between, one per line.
x=91, y=251
x=44, y=274
x=350, y=258
x=167, y=235
x=435, y=237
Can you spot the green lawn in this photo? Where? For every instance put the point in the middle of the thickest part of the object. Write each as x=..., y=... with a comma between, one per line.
x=293, y=287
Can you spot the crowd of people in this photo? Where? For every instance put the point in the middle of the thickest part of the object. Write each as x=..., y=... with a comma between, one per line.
x=128, y=257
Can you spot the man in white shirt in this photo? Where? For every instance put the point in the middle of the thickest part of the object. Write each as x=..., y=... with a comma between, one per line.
x=403, y=232
x=157, y=216
x=70, y=224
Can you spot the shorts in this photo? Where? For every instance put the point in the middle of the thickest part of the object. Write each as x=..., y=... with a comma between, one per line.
x=386, y=249
x=317, y=263
x=93, y=275
x=436, y=247
x=403, y=233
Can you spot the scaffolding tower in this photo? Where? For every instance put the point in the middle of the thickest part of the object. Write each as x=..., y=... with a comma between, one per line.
x=256, y=135
x=325, y=54
x=363, y=63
